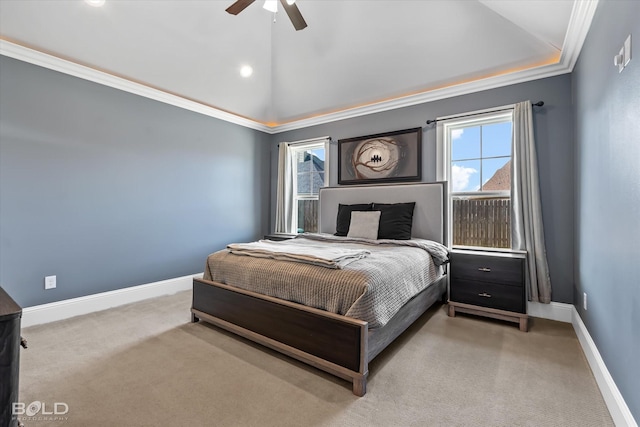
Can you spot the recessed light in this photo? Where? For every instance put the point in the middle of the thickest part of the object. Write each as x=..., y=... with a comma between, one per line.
x=246, y=71
x=95, y=3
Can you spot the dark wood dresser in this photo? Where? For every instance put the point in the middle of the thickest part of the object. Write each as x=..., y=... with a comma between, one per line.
x=10, y=314
x=489, y=284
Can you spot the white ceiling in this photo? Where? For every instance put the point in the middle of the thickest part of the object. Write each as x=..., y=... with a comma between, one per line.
x=355, y=56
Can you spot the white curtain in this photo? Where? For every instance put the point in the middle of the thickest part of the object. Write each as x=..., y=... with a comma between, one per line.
x=527, y=228
x=284, y=196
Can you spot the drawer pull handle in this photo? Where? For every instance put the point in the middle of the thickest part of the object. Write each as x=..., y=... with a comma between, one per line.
x=484, y=294
x=484, y=269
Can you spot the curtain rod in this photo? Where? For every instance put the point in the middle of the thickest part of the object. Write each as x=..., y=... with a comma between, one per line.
x=306, y=141
x=537, y=104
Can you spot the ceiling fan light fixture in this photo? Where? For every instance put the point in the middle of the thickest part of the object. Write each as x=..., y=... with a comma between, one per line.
x=95, y=3
x=271, y=5
x=289, y=6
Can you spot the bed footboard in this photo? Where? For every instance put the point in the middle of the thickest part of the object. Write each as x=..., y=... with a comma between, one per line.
x=333, y=343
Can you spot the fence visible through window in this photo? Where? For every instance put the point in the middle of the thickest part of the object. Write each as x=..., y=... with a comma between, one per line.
x=482, y=222
x=308, y=216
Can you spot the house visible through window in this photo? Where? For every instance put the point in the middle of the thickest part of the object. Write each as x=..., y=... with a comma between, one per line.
x=309, y=171
x=475, y=159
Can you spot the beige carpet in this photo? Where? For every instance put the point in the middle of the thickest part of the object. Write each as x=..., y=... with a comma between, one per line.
x=145, y=364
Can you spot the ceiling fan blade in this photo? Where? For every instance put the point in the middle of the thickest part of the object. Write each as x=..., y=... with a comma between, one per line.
x=294, y=15
x=239, y=6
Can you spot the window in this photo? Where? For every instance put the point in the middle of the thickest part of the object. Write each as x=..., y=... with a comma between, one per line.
x=302, y=170
x=309, y=175
x=309, y=165
x=475, y=159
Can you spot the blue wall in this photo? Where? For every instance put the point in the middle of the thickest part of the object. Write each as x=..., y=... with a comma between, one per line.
x=554, y=145
x=607, y=208
x=107, y=189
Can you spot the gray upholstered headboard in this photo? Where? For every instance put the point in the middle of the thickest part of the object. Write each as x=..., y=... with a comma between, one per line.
x=428, y=216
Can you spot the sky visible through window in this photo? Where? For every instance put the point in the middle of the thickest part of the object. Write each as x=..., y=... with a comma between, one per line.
x=477, y=152
x=318, y=152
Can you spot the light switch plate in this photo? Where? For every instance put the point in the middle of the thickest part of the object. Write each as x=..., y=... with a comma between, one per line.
x=627, y=50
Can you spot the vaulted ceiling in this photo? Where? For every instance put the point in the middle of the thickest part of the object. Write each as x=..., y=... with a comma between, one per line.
x=355, y=56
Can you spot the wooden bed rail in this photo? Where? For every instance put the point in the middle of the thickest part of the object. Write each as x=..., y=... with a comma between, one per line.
x=328, y=341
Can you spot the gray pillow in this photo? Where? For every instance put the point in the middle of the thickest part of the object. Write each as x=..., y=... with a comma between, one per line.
x=364, y=224
x=344, y=216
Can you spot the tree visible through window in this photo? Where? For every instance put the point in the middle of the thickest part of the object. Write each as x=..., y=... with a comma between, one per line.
x=477, y=165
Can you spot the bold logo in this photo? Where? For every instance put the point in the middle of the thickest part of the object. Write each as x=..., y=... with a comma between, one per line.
x=37, y=407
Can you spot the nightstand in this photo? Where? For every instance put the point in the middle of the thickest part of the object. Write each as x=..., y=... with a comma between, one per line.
x=279, y=236
x=489, y=283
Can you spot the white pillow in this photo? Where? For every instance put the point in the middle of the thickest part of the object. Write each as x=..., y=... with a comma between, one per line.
x=364, y=224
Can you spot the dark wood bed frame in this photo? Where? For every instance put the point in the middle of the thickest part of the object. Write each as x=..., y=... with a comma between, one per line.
x=340, y=345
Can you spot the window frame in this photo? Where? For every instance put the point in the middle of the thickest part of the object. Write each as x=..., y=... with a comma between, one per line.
x=295, y=148
x=445, y=126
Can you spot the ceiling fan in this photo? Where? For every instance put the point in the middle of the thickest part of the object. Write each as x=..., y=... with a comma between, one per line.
x=289, y=6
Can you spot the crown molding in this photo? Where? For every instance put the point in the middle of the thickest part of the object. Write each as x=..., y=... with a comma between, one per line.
x=51, y=62
x=430, y=96
x=579, y=24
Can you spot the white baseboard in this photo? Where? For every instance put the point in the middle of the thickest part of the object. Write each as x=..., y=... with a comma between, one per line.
x=615, y=402
x=65, y=309
x=561, y=312
x=554, y=311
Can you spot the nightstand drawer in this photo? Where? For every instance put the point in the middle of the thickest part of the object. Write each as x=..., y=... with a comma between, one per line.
x=502, y=297
x=506, y=271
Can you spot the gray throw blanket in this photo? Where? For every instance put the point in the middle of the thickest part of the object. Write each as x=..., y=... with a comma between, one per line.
x=300, y=249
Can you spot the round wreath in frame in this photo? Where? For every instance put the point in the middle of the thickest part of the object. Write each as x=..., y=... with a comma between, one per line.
x=389, y=157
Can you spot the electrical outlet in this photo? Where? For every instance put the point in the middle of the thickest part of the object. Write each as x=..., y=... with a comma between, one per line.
x=584, y=300
x=50, y=282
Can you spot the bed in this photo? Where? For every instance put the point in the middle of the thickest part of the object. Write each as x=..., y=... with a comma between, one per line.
x=335, y=342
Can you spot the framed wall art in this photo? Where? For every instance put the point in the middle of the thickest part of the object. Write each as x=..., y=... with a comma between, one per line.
x=384, y=157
